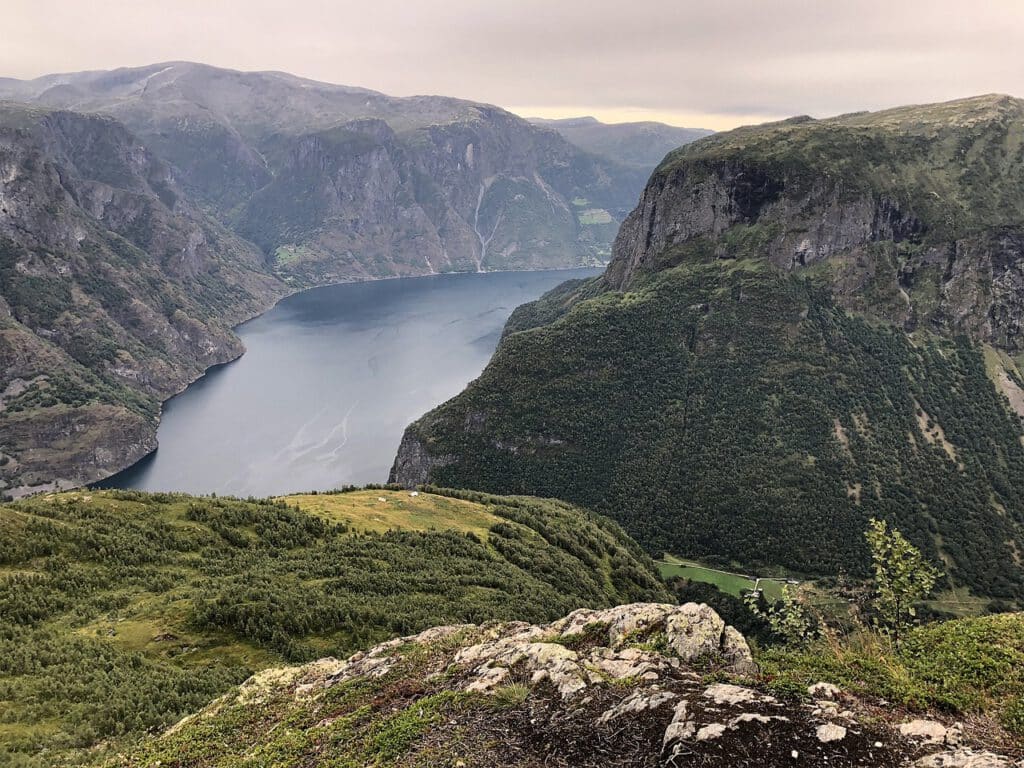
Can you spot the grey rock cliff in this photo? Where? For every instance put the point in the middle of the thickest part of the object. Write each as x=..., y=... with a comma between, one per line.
x=413, y=462
x=942, y=249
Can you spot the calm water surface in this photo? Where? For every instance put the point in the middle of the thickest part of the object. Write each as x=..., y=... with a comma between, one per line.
x=330, y=379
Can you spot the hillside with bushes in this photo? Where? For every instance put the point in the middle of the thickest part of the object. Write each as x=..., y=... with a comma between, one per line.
x=122, y=612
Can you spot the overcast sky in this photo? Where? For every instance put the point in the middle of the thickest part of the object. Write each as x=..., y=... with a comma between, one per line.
x=711, y=64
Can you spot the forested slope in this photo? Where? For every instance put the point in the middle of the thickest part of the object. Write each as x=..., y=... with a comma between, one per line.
x=804, y=325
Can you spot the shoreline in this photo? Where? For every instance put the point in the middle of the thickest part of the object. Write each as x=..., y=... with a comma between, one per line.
x=235, y=328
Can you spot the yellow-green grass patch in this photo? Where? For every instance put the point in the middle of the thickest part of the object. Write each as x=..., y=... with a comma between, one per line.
x=363, y=511
x=959, y=602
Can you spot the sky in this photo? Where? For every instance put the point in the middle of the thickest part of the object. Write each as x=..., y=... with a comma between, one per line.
x=714, y=64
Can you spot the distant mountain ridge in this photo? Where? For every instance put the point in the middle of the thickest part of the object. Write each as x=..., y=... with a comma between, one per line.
x=641, y=144
x=211, y=590
x=357, y=183
x=804, y=324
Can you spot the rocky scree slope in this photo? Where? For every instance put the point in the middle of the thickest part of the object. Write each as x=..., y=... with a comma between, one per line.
x=804, y=325
x=115, y=293
x=335, y=182
x=637, y=685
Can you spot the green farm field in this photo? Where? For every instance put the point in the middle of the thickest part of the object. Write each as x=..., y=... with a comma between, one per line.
x=732, y=583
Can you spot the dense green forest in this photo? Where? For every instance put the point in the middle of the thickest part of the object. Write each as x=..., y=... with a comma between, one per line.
x=727, y=411
x=123, y=611
x=805, y=324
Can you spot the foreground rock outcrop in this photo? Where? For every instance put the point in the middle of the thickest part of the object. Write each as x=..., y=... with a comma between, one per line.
x=646, y=684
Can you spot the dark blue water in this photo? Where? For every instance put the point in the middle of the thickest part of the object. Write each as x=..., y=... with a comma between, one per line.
x=330, y=380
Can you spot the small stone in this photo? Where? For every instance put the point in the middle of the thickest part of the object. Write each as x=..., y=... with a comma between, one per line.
x=955, y=735
x=724, y=693
x=963, y=758
x=712, y=731
x=825, y=708
x=928, y=731
x=751, y=717
x=681, y=727
x=823, y=691
x=488, y=679
x=830, y=732
x=635, y=703
x=794, y=754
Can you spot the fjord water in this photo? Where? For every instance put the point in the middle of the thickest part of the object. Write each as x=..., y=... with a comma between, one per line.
x=330, y=379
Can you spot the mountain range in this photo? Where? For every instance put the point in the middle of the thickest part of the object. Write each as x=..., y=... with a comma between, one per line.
x=146, y=211
x=804, y=326
x=335, y=182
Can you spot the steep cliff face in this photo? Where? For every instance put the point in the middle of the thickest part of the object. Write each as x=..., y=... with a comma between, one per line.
x=803, y=325
x=342, y=205
x=340, y=183
x=913, y=213
x=116, y=293
x=483, y=193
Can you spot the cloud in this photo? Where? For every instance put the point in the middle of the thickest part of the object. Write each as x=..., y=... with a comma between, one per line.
x=728, y=61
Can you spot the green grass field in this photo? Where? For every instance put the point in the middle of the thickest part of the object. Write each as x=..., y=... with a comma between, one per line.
x=731, y=583
x=288, y=254
x=363, y=511
x=959, y=602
